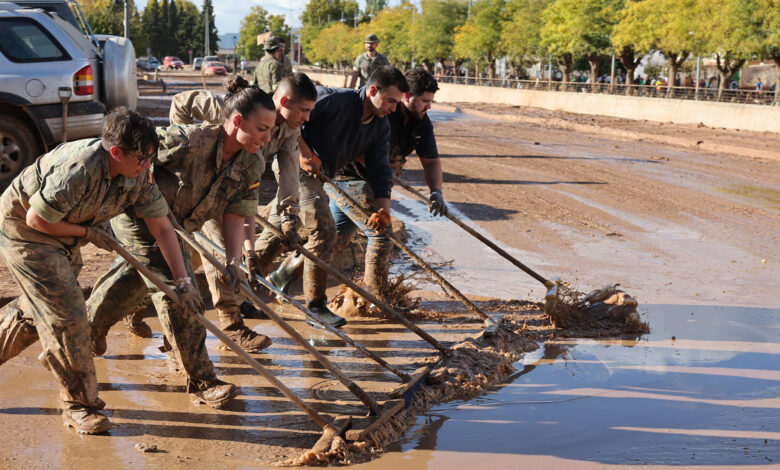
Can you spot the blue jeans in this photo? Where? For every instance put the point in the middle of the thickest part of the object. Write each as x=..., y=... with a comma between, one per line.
x=348, y=221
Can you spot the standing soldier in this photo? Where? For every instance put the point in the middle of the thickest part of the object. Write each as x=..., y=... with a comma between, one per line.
x=367, y=62
x=46, y=216
x=268, y=73
x=345, y=124
x=208, y=173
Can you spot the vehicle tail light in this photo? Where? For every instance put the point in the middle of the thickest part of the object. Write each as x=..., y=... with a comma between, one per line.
x=82, y=81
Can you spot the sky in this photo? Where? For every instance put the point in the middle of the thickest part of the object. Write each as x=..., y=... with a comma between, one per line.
x=229, y=13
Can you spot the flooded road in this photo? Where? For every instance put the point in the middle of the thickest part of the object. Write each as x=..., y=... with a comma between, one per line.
x=701, y=390
x=696, y=400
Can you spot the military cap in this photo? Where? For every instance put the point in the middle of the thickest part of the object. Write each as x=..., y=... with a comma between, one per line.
x=372, y=38
x=272, y=43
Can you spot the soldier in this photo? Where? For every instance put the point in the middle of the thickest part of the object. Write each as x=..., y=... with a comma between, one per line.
x=268, y=73
x=287, y=69
x=344, y=125
x=367, y=62
x=293, y=100
x=46, y=216
x=207, y=173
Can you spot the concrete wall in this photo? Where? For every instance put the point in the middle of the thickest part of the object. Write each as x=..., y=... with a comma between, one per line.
x=729, y=115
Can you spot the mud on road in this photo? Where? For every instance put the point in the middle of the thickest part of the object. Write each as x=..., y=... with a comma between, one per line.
x=671, y=222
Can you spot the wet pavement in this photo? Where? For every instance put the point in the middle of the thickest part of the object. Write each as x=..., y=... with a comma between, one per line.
x=709, y=397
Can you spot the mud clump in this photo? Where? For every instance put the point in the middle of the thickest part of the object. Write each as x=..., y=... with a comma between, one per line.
x=473, y=366
x=608, y=308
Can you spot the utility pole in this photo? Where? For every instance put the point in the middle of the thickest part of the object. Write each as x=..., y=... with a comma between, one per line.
x=206, y=45
x=127, y=18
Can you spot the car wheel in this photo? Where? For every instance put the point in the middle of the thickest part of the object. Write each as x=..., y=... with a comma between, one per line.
x=18, y=148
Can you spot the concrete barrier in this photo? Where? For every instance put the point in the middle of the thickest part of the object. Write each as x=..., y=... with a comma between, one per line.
x=729, y=115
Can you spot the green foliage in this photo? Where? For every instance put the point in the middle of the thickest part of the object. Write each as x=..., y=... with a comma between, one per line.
x=335, y=44
x=393, y=26
x=480, y=36
x=521, y=33
x=253, y=24
x=433, y=29
x=324, y=12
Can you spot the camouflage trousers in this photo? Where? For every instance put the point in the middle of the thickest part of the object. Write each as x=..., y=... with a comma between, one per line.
x=121, y=289
x=53, y=302
x=317, y=221
x=348, y=221
x=226, y=301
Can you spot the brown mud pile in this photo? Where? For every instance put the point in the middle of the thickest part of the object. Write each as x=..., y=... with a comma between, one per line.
x=609, y=309
x=470, y=369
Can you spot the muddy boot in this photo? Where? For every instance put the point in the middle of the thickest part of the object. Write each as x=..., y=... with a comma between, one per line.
x=135, y=323
x=248, y=310
x=248, y=339
x=98, y=340
x=214, y=393
x=284, y=276
x=86, y=420
x=315, y=281
x=16, y=334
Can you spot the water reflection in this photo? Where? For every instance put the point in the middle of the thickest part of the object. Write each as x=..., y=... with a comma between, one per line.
x=710, y=396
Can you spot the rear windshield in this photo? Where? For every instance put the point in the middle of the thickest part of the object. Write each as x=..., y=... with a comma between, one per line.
x=24, y=40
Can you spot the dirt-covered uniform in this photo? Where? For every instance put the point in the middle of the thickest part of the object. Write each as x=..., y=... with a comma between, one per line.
x=202, y=105
x=199, y=188
x=72, y=184
x=283, y=145
x=268, y=73
x=365, y=65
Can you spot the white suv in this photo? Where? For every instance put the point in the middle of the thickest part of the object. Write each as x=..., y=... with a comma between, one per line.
x=53, y=71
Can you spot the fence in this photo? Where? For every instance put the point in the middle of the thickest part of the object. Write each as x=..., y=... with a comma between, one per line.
x=759, y=97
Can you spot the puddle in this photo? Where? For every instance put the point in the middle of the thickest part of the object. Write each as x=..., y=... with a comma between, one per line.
x=710, y=397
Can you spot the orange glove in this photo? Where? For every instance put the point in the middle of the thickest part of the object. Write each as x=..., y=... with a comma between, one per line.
x=311, y=165
x=379, y=220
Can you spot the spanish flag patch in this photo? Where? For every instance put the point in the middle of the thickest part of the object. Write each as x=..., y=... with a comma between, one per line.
x=254, y=185
x=151, y=177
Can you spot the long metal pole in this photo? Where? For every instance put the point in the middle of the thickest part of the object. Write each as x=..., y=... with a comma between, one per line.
x=127, y=18
x=449, y=287
x=351, y=386
x=166, y=289
x=367, y=295
x=217, y=249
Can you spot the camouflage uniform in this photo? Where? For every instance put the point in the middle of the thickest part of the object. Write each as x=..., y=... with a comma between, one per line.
x=366, y=65
x=202, y=105
x=72, y=184
x=199, y=188
x=287, y=68
x=268, y=73
x=283, y=144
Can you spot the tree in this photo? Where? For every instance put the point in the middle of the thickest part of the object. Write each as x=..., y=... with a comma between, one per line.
x=253, y=24
x=393, y=26
x=278, y=26
x=730, y=30
x=152, y=26
x=632, y=37
x=433, y=29
x=335, y=44
x=189, y=31
x=480, y=36
x=521, y=33
x=770, y=36
x=318, y=14
x=580, y=28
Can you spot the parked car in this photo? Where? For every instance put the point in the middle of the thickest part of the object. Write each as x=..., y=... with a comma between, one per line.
x=57, y=81
x=147, y=63
x=196, y=63
x=214, y=68
x=170, y=63
x=211, y=58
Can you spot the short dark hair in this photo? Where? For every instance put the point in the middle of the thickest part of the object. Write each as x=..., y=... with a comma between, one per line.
x=128, y=130
x=298, y=86
x=421, y=81
x=385, y=77
x=246, y=101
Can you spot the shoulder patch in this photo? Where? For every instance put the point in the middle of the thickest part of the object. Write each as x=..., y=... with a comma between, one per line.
x=254, y=185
